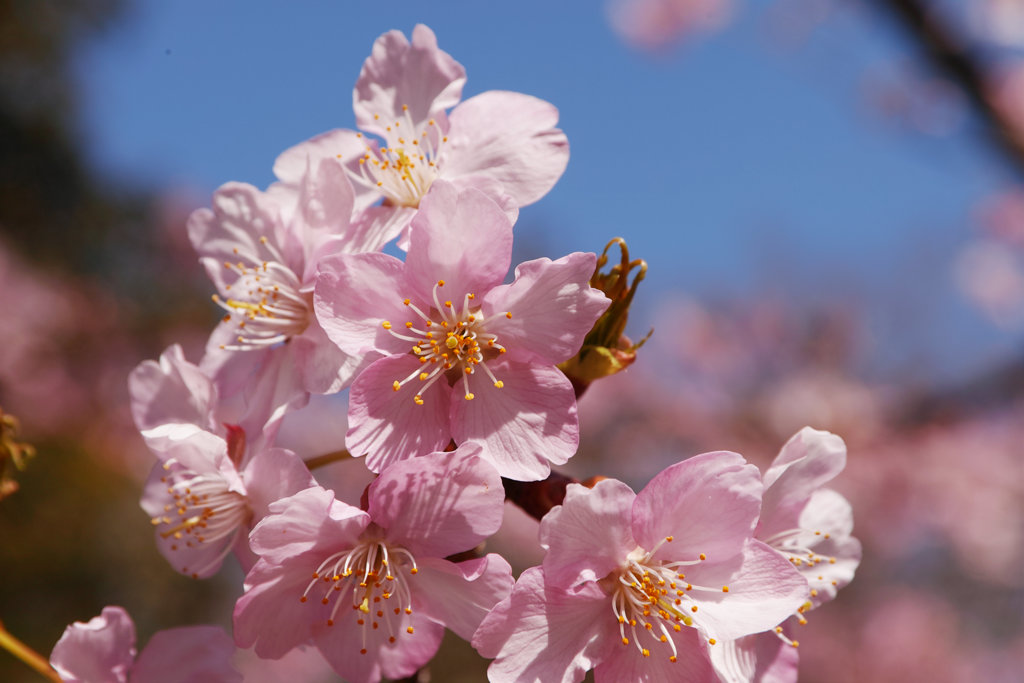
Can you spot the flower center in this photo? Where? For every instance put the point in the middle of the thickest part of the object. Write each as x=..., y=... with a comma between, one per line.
x=266, y=302
x=651, y=600
x=403, y=169
x=202, y=511
x=448, y=342
x=373, y=580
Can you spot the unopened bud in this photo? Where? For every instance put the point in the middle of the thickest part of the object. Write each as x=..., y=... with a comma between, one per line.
x=606, y=349
x=11, y=452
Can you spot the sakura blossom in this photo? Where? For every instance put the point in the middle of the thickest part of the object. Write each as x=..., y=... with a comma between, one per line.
x=261, y=250
x=370, y=588
x=102, y=650
x=457, y=354
x=204, y=495
x=808, y=524
x=503, y=143
x=640, y=586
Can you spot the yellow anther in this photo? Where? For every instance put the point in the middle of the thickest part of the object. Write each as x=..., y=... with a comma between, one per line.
x=386, y=325
x=499, y=384
x=711, y=641
x=508, y=314
x=669, y=539
x=406, y=301
x=725, y=589
x=409, y=630
x=451, y=342
x=470, y=396
x=424, y=376
x=409, y=325
x=625, y=641
x=417, y=399
x=396, y=385
x=440, y=283
x=703, y=556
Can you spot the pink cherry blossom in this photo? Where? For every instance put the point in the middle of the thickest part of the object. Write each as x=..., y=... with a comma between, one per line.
x=503, y=143
x=261, y=250
x=370, y=589
x=810, y=525
x=456, y=354
x=638, y=586
x=203, y=499
x=102, y=650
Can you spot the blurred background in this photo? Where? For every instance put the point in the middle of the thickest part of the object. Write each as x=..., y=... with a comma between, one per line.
x=828, y=194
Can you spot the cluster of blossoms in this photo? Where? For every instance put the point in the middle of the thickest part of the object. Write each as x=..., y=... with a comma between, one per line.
x=462, y=392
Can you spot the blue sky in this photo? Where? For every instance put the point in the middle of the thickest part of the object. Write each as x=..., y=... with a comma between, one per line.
x=732, y=165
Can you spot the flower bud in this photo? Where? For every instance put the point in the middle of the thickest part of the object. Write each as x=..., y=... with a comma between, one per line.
x=606, y=349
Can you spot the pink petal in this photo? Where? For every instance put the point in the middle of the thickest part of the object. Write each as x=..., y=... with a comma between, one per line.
x=439, y=504
x=527, y=425
x=760, y=658
x=808, y=460
x=625, y=663
x=381, y=224
x=552, y=304
x=290, y=167
x=98, y=651
x=509, y=137
x=271, y=475
x=305, y=520
x=764, y=589
x=707, y=504
x=420, y=76
x=170, y=390
x=255, y=388
x=543, y=633
x=589, y=534
x=463, y=238
x=322, y=367
x=387, y=425
x=190, y=653
x=461, y=595
x=354, y=295
x=270, y=616
x=241, y=215
x=322, y=224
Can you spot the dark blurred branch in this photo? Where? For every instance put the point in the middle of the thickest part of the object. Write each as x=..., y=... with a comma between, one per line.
x=996, y=389
x=945, y=49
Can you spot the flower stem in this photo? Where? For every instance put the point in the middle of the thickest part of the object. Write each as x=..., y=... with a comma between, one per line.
x=27, y=655
x=327, y=459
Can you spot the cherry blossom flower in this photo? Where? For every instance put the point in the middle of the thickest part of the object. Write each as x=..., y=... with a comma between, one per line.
x=638, y=586
x=102, y=650
x=204, y=496
x=810, y=525
x=456, y=354
x=261, y=253
x=503, y=143
x=370, y=588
